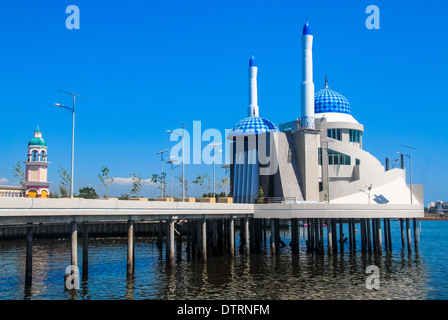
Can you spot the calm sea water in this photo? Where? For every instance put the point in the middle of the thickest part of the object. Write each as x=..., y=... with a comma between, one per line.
x=285, y=276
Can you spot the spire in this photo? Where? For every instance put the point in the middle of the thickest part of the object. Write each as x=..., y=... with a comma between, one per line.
x=252, y=61
x=326, y=83
x=306, y=29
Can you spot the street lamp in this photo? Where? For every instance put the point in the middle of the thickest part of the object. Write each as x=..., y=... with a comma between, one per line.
x=214, y=153
x=410, y=165
x=172, y=161
x=72, y=110
x=227, y=168
x=183, y=152
x=161, y=171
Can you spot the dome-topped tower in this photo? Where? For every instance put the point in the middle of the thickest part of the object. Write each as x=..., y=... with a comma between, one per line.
x=36, y=184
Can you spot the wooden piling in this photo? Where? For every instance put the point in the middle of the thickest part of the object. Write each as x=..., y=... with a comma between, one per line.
x=329, y=236
x=369, y=234
x=29, y=255
x=389, y=234
x=403, y=242
x=341, y=234
x=130, y=253
x=74, y=243
x=295, y=235
x=246, y=235
x=380, y=241
x=335, y=235
x=232, y=236
x=408, y=234
x=204, y=239
x=416, y=235
x=85, y=249
x=273, y=244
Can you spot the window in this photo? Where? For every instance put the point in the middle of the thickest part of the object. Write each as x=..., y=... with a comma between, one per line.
x=335, y=134
x=335, y=157
x=357, y=162
x=355, y=135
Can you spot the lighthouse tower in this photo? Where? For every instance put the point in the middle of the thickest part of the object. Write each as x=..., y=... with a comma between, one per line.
x=307, y=85
x=36, y=185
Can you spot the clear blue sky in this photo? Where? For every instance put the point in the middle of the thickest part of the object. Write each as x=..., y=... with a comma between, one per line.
x=143, y=64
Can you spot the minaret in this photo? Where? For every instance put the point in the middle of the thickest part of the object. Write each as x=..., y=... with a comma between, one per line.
x=307, y=86
x=36, y=184
x=253, y=100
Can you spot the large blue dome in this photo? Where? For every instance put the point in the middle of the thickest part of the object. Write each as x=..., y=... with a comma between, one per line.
x=252, y=126
x=327, y=100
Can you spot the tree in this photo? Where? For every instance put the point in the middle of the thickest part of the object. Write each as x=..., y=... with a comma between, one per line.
x=18, y=172
x=179, y=178
x=105, y=179
x=156, y=178
x=66, y=181
x=88, y=193
x=201, y=180
x=137, y=184
x=260, y=195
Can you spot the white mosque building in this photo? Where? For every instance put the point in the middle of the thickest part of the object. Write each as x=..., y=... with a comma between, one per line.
x=317, y=158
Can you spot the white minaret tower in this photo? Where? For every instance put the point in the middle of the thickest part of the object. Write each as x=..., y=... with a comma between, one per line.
x=307, y=85
x=253, y=100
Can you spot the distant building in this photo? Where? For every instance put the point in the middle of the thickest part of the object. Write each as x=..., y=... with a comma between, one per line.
x=439, y=207
x=36, y=168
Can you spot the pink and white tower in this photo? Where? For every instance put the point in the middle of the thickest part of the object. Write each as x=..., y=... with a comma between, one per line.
x=36, y=171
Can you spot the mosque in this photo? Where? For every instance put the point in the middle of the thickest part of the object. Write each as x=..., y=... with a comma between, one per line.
x=317, y=158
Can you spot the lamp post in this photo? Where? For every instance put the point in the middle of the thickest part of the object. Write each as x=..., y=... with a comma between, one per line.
x=161, y=170
x=72, y=110
x=410, y=165
x=227, y=168
x=214, y=153
x=172, y=161
x=183, y=152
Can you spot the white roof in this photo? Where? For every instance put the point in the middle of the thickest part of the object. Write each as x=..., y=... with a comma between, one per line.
x=336, y=117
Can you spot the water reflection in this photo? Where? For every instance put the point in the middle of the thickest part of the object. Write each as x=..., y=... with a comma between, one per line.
x=262, y=275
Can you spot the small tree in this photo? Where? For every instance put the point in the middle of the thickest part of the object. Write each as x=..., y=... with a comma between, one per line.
x=260, y=195
x=201, y=180
x=137, y=184
x=105, y=179
x=18, y=172
x=66, y=181
x=160, y=179
x=88, y=193
x=179, y=178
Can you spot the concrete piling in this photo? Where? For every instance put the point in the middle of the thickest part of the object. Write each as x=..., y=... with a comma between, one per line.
x=29, y=255
x=408, y=234
x=74, y=243
x=232, y=236
x=130, y=253
x=204, y=238
x=85, y=249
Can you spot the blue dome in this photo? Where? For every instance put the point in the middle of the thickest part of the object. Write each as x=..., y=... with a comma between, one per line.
x=252, y=126
x=327, y=100
x=306, y=29
x=252, y=61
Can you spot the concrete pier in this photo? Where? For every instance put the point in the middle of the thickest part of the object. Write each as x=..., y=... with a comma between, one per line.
x=85, y=249
x=74, y=243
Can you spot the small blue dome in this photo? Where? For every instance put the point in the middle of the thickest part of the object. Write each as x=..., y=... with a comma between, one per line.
x=252, y=126
x=306, y=29
x=252, y=61
x=327, y=100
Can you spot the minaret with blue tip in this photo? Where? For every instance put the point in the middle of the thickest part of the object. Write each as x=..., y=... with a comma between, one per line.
x=307, y=85
x=253, y=99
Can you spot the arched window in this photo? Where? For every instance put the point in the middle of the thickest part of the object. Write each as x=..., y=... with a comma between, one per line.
x=35, y=154
x=43, y=155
